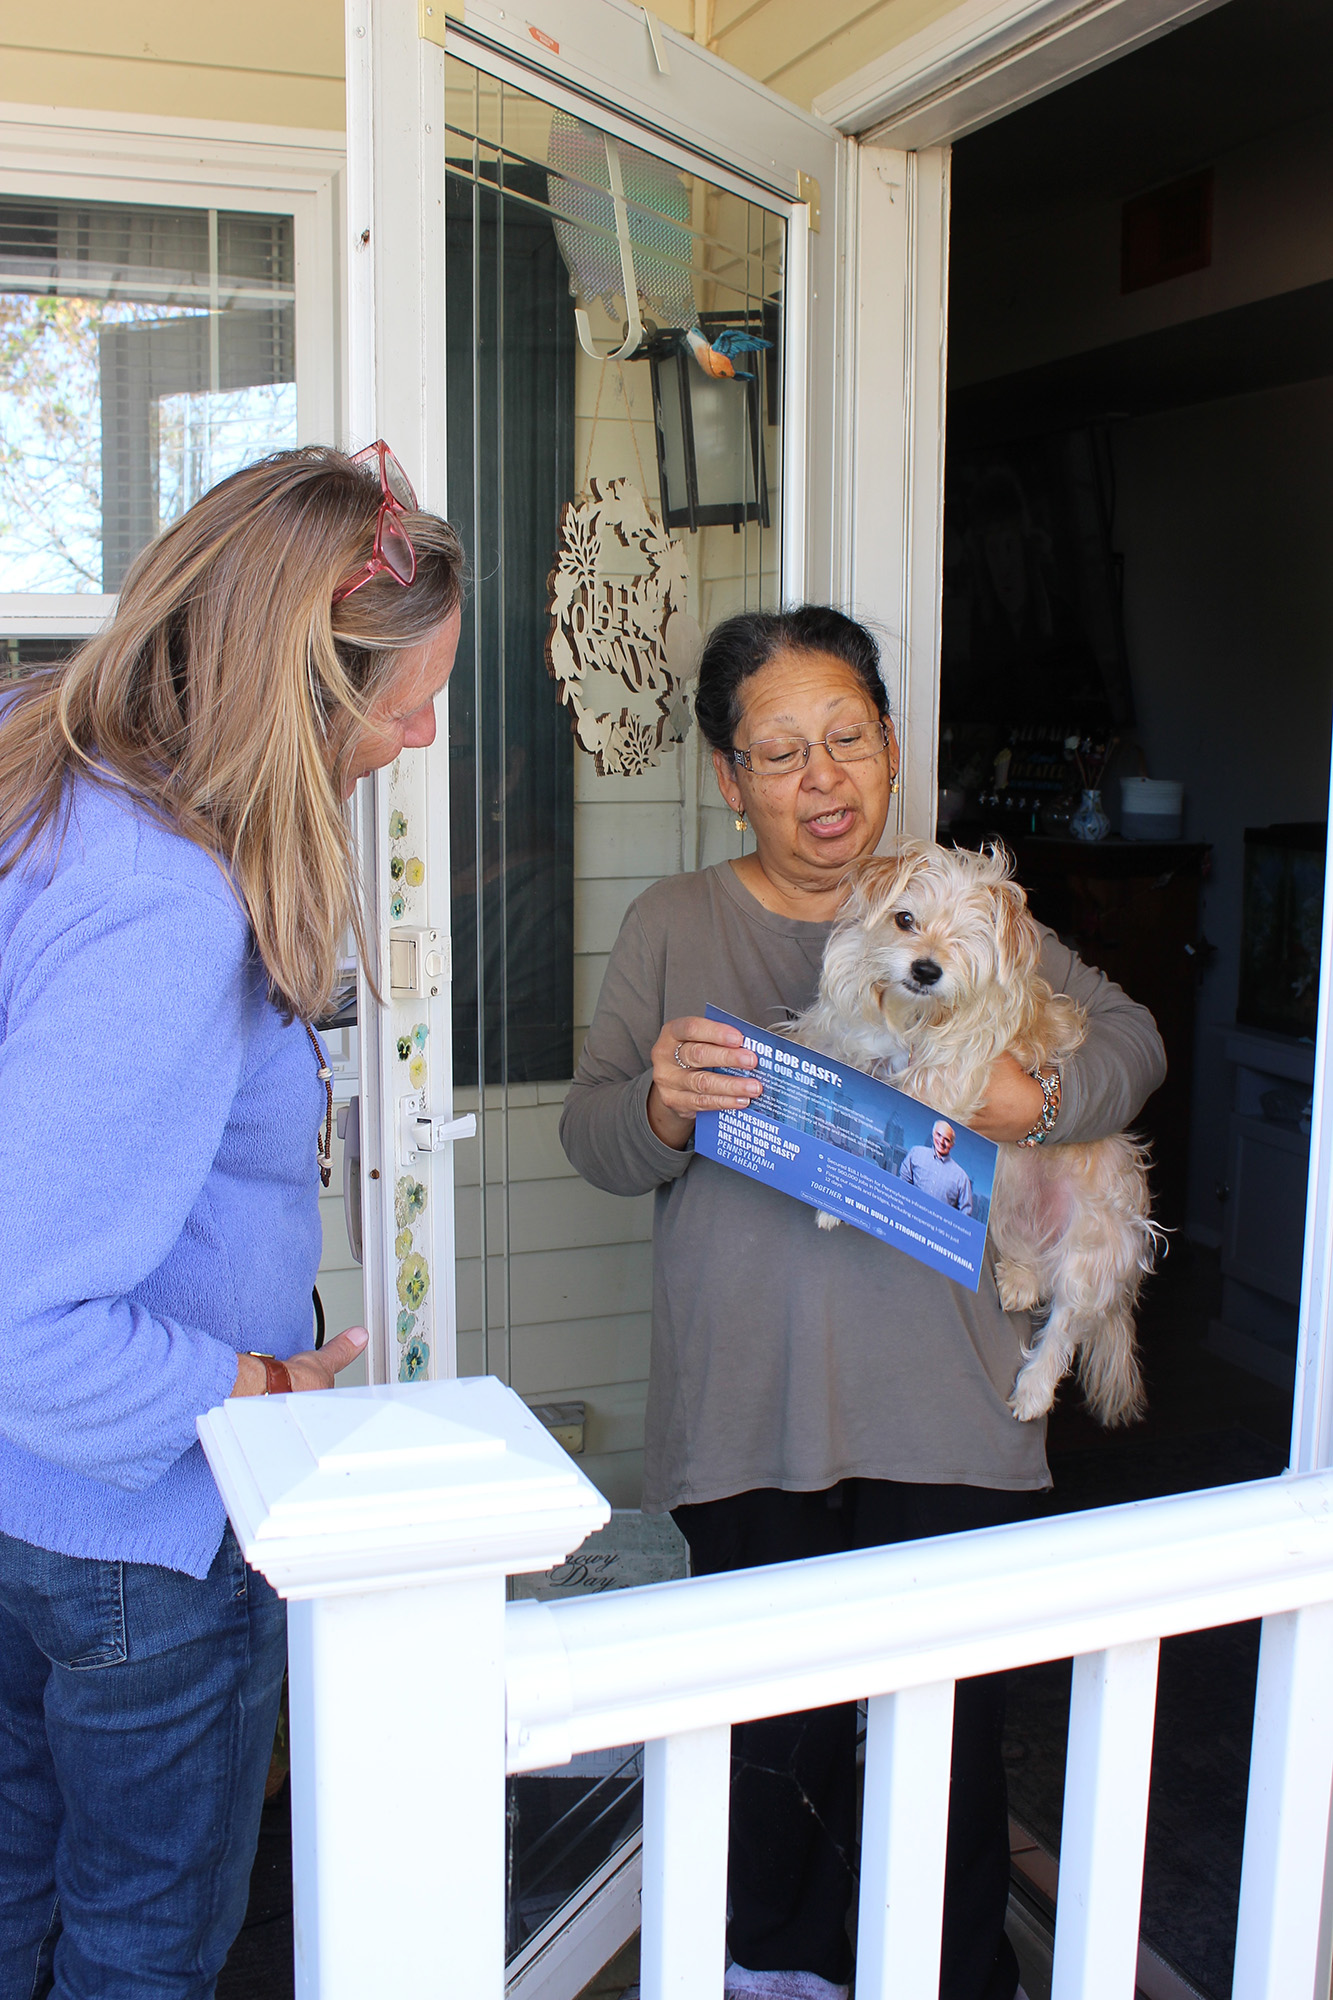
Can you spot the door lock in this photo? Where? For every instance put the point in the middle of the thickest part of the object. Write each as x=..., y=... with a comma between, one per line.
x=419, y=1133
x=418, y=963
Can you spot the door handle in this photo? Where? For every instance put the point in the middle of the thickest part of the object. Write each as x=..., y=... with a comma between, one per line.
x=418, y=1132
x=349, y=1131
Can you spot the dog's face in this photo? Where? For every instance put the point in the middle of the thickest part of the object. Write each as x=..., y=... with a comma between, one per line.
x=933, y=928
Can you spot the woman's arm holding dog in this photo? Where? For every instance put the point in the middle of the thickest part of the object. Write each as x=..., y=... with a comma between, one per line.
x=1014, y=1101
x=1108, y=1080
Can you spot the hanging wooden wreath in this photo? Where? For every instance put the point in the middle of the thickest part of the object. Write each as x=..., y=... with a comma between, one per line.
x=622, y=645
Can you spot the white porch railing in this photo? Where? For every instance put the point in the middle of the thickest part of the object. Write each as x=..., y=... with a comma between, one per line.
x=390, y=1516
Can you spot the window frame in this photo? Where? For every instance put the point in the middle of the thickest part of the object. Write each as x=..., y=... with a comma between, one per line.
x=136, y=160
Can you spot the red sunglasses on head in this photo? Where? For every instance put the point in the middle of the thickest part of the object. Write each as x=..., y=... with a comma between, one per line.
x=392, y=553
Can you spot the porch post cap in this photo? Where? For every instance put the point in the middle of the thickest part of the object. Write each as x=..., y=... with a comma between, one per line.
x=371, y=1489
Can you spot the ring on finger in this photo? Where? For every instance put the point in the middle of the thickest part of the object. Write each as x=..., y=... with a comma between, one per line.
x=680, y=1059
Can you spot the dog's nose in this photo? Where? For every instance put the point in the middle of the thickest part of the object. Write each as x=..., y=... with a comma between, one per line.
x=925, y=971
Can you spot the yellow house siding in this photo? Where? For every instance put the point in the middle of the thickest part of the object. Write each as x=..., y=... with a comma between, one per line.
x=249, y=62
x=282, y=64
x=799, y=50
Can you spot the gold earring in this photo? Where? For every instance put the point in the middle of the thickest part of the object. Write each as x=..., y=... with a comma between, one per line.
x=893, y=782
x=742, y=823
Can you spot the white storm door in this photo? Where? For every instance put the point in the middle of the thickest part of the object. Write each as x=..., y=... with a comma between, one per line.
x=523, y=195
x=468, y=137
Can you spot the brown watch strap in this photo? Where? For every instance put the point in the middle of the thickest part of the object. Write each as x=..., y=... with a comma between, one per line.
x=277, y=1375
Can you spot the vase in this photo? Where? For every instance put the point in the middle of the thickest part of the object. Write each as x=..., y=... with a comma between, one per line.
x=1090, y=822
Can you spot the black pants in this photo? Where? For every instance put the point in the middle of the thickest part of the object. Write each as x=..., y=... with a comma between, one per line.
x=793, y=1787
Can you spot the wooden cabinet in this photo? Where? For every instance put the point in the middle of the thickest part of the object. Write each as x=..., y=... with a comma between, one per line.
x=1132, y=908
x=1263, y=1243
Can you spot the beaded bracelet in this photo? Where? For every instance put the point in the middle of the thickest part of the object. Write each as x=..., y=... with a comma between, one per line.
x=1050, y=1107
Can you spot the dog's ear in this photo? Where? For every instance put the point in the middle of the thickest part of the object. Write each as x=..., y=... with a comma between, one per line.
x=1017, y=939
x=995, y=851
x=878, y=883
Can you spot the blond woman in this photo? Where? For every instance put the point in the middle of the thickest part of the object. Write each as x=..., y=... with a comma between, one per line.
x=176, y=874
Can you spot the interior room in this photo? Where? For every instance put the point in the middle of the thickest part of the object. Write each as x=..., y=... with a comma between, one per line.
x=1136, y=589
x=1139, y=415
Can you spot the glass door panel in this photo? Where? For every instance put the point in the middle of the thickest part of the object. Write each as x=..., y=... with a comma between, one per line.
x=567, y=799
x=595, y=462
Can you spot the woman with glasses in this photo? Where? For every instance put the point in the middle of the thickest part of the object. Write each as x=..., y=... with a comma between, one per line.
x=176, y=881
x=813, y=1391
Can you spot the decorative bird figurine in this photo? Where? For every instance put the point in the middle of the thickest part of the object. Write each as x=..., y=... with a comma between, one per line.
x=715, y=357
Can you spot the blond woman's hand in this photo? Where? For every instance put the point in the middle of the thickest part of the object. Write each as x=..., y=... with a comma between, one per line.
x=313, y=1369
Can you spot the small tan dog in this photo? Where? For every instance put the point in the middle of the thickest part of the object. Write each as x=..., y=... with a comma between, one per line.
x=929, y=975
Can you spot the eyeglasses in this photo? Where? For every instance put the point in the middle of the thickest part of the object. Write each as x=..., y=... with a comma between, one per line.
x=392, y=552
x=776, y=756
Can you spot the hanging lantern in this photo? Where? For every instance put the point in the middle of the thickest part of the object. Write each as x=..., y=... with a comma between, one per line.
x=710, y=441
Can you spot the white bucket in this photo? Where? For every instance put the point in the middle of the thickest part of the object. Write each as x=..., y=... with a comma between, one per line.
x=1151, y=808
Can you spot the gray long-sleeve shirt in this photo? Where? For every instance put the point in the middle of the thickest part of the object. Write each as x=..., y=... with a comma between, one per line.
x=782, y=1354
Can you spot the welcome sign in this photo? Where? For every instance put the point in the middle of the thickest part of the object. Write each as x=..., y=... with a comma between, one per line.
x=830, y=1135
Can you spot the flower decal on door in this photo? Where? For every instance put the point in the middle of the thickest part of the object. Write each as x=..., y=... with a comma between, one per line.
x=413, y=1280
x=414, y=1361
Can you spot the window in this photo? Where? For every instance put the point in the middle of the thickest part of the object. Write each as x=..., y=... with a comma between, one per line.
x=145, y=352
x=20, y=656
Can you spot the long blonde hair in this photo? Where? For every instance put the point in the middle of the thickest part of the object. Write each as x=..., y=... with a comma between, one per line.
x=226, y=693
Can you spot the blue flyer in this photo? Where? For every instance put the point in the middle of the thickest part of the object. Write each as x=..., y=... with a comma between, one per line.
x=843, y=1141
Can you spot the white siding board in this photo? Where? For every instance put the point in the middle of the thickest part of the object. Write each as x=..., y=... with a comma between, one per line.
x=343, y=1298
x=616, y=1278
x=559, y=1285
x=589, y=972
x=614, y=1420
x=599, y=909
x=534, y=1149
x=471, y=1354
x=546, y=1358
x=618, y=1477
x=660, y=782
x=626, y=840
x=717, y=835
x=467, y=1098
x=552, y=1215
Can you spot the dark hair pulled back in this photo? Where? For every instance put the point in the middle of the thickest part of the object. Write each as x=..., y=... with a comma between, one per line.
x=740, y=646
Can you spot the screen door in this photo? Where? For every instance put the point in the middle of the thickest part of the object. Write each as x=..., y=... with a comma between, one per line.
x=624, y=329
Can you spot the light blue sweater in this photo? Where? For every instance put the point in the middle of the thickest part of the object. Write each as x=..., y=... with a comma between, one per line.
x=158, y=1185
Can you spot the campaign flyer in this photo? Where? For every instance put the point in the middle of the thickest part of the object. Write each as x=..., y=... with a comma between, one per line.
x=843, y=1141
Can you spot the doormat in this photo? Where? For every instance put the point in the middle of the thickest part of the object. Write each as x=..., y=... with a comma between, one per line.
x=259, y=1965
x=566, y=1822
x=633, y=1548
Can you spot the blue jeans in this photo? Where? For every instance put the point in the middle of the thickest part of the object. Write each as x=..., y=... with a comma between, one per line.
x=137, y=1710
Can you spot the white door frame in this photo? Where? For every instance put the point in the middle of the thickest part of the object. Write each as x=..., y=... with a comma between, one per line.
x=985, y=58
x=659, y=87
x=981, y=60
x=396, y=390
x=895, y=313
